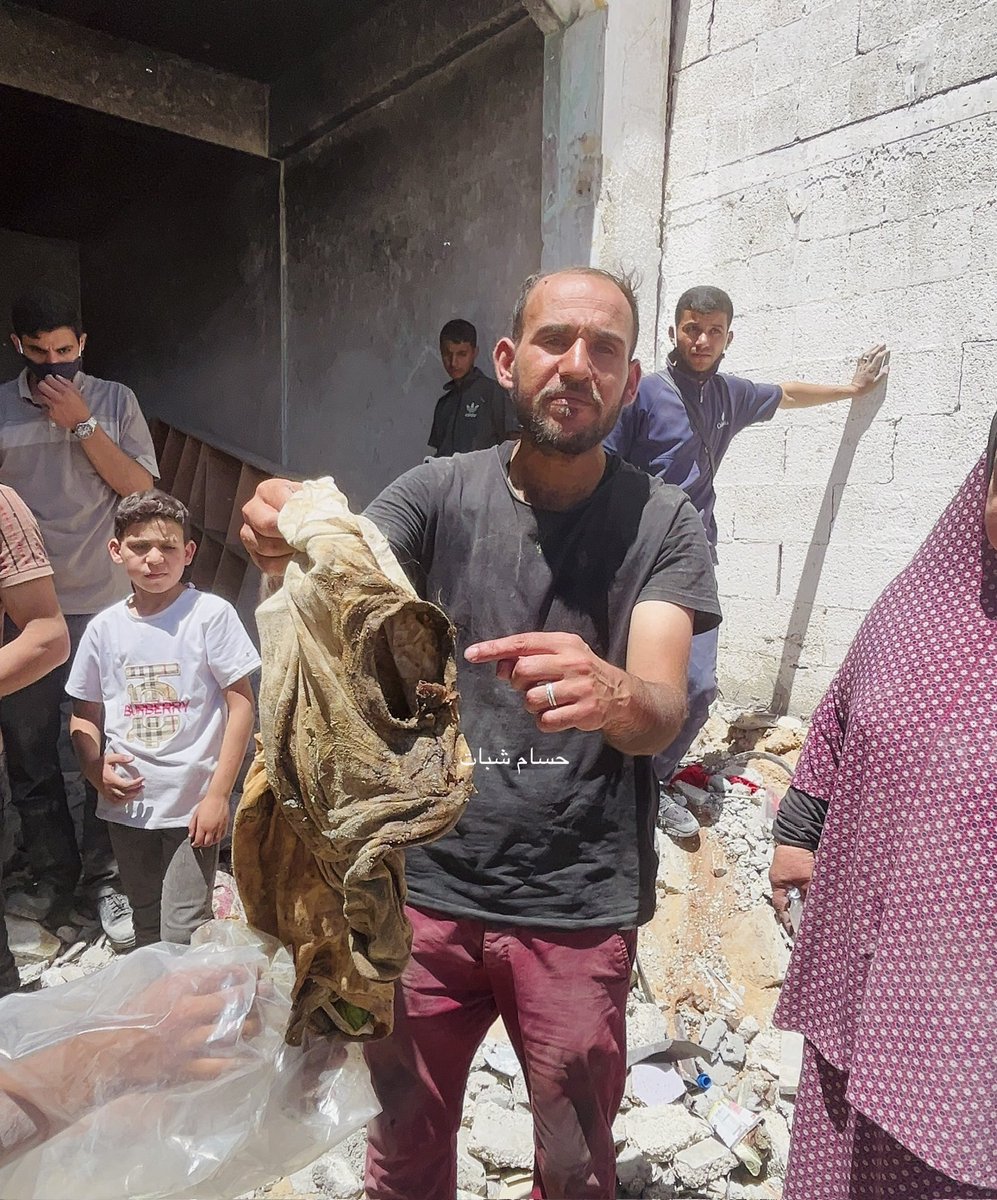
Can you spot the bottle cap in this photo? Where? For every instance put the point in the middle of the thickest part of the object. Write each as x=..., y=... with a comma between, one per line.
x=704, y=1081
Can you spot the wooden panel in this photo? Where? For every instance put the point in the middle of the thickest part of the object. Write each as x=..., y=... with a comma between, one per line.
x=206, y=560
x=228, y=576
x=183, y=481
x=221, y=486
x=169, y=458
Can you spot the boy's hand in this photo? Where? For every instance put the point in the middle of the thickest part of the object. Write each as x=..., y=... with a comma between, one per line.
x=118, y=789
x=209, y=821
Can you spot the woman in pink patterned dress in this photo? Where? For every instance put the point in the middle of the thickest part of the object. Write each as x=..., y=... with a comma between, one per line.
x=893, y=980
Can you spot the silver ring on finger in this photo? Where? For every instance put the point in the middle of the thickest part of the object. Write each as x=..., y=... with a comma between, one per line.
x=551, y=698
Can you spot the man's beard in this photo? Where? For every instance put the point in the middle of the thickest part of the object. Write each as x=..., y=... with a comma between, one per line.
x=544, y=432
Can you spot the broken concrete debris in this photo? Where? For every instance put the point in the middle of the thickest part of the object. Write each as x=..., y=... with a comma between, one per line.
x=708, y=1107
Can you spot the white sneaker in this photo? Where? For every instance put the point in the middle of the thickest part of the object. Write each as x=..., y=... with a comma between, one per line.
x=115, y=915
x=674, y=818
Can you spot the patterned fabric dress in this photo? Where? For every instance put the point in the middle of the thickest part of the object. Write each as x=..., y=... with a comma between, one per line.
x=893, y=980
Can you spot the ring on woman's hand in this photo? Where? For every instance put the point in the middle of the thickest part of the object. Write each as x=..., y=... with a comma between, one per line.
x=551, y=698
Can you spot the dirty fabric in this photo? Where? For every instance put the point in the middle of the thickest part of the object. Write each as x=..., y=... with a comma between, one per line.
x=361, y=757
x=892, y=978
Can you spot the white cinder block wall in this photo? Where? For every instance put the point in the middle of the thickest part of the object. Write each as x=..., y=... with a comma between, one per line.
x=834, y=167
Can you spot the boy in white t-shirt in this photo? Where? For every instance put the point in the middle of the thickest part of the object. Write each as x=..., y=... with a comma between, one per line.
x=161, y=682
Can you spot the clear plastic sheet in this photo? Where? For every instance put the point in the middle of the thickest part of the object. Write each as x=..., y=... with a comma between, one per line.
x=175, y=1107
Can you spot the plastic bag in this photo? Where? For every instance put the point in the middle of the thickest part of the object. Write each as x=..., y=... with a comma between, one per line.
x=153, y=1133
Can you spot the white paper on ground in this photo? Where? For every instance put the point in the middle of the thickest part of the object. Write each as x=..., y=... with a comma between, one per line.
x=656, y=1083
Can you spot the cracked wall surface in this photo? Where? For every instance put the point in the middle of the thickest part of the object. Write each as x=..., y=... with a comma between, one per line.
x=832, y=166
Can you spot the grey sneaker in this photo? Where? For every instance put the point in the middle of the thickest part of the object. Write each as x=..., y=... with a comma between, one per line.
x=675, y=819
x=115, y=915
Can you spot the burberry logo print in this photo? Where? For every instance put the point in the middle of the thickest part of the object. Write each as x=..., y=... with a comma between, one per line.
x=153, y=705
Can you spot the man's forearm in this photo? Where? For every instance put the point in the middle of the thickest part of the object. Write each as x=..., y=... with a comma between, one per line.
x=650, y=716
x=798, y=394
x=117, y=469
x=41, y=646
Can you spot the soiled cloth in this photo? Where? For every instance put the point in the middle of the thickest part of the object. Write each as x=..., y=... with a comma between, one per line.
x=361, y=757
x=893, y=975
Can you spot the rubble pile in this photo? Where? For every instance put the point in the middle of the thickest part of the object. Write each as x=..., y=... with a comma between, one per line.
x=708, y=1105
x=707, y=979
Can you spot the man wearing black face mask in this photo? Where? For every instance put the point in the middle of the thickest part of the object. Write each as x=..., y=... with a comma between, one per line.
x=71, y=445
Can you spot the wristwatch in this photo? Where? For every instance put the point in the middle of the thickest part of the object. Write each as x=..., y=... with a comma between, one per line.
x=85, y=429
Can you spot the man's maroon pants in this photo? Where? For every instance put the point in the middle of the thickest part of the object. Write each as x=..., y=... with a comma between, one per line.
x=562, y=996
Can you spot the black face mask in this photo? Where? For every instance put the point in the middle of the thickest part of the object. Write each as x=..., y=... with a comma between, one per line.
x=65, y=370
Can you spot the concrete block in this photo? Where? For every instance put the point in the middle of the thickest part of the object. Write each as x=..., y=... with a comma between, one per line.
x=501, y=1138
x=696, y=42
x=727, y=72
x=978, y=382
x=878, y=82
x=777, y=1132
x=983, y=239
x=899, y=254
x=30, y=942
x=750, y=569
x=867, y=455
x=825, y=100
x=733, y=1050
x=704, y=1162
x=728, y=135
x=746, y=678
x=820, y=267
x=756, y=625
x=781, y=515
x=772, y=120
x=470, y=1170
x=757, y=455
x=713, y=1035
x=777, y=61
x=938, y=452
x=962, y=48
x=735, y=23
x=759, y=221
x=923, y=382
x=853, y=571
x=661, y=1132
x=633, y=1171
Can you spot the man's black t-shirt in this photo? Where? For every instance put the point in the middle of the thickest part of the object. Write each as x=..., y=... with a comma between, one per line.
x=561, y=831
x=472, y=414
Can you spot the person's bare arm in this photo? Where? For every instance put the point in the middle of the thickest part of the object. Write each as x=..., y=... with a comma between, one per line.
x=86, y=732
x=67, y=407
x=170, y=1034
x=43, y=643
x=990, y=512
x=209, y=821
x=872, y=369
x=638, y=710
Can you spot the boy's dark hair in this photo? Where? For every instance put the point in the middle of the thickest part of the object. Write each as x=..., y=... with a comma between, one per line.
x=704, y=299
x=459, y=330
x=41, y=310
x=627, y=281
x=152, y=505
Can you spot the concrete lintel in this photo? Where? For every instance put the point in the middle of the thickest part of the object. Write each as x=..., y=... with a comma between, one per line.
x=554, y=15
x=375, y=60
x=68, y=62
